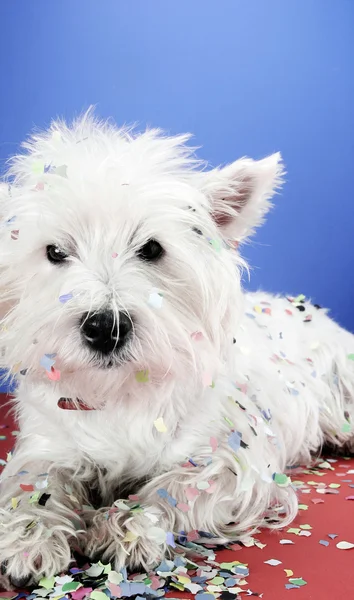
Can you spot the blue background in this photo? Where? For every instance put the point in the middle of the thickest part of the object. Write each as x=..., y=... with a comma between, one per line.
x=246, y=77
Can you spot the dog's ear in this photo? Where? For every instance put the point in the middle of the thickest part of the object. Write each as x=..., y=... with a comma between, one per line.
x=240, y=193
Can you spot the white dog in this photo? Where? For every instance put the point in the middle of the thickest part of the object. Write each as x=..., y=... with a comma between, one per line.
x=121, y=299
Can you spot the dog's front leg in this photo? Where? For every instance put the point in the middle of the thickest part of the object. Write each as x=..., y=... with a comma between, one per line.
x=220, y=499
x=40, y=509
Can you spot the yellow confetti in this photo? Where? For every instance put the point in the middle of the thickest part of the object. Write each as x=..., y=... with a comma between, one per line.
x=38, y=167
x=130, y=537
x=257, y=309
x=14, y=503
x=160, y=425
x=183, y=579
x=305, y=526
x=334, y=485
x=288, y=572
x=142, y=376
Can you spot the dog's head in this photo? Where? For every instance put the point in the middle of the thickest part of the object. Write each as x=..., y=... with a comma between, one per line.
x=118, y=254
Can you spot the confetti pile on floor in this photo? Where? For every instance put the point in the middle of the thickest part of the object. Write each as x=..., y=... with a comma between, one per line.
x=311, y=559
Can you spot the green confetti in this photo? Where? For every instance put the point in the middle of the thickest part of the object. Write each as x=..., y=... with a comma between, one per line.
x=298, y=581
x=97, y=595
x=229, y=421
x=217, y=580
x=351, y=356
x=299, y=298
x=71, y=586
x=346, y=428
x=38, y=167
x=34, y=498
x=2, y=437
x=141, y=377
x=280, y=478
x=47, y=583
x=303, y=507
x=216, y=245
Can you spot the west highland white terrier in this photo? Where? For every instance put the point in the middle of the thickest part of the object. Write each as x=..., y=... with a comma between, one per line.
x=154, y=396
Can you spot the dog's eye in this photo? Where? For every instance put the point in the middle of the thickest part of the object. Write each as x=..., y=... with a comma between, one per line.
x=55, y=254
x=151, y=251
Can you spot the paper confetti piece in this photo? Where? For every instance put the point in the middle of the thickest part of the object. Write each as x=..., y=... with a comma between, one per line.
x=288, y=572
x=298, y=581
x=257, y=309
x=273, y=562
x=14, y=503
x=53, y=374
x=284, y=541
x=47, y=361
x=65, y=297
x=27, y=487
x=332, y=535
x=324, y=543
x=349, y=498
x=183, y=507
x=346, y=427
x=37, y=167
x=130, y=537
x=62, y=172
x=156, y=534
x=291, y=586
x=306, y=526
x=142, y=376
x=345, y=545
x=47, y=583
x=155, y=299
x=114, y=254
x=213, y=444
x=71, y=586
x=191, y=493
x=197, y=336
x=351, y=356
x=170, y=540
x=97, y=595
x=15, y=234
x=281, y=479
x=234, y=440
x=160, y=425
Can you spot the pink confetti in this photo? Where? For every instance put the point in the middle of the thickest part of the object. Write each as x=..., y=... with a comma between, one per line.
x=39, y=187
x=191, y=493
x=183, y=506
x=134, y=497
x=317, y=501
x=114, y=254
x=81, y=593
x=212, y=486
x=192, y=535
x=213, y=444
x=197, y=336
x=267, y=311
x=350, y=498
x=14, y=234
x=288, y=312
x=53, y=374
x=114, y=589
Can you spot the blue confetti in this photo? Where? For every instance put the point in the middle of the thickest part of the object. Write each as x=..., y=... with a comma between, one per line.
x=47, y=361
x=291, y=586
x=324, y=542
x=65, y=298
x=234, y=440
x=170, y=540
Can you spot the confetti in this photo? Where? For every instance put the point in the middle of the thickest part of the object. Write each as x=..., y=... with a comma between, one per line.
x=197, y=336
x=324, y=543
x=53, y=374
x=155, y=299
x=288, y=572
x=47, y=361
x=345, y=545
x=114, y=255
x=234, y=441
x=351, y=356
x=281, y=479
x=284, y=541
x=15, y=234
x=273, y=562
x=142, y=376
x=65, y=297
x=160, y=425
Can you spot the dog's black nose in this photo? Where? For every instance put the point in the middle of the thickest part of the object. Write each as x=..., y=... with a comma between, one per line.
x=104, y=331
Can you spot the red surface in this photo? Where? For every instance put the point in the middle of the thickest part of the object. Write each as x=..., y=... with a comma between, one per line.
x=329, y=572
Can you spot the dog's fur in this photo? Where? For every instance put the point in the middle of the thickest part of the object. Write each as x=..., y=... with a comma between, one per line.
x=236, y=386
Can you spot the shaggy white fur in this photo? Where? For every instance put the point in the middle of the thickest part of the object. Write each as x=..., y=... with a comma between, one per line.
x=213, y=394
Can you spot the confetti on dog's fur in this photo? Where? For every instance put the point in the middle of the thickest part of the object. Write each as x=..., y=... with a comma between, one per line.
x=160, y=425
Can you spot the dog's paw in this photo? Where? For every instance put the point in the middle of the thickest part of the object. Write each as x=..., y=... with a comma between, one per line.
x=125, y=540
x=28, y=558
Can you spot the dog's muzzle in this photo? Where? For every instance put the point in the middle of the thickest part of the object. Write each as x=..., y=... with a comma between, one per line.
x=105, y=332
